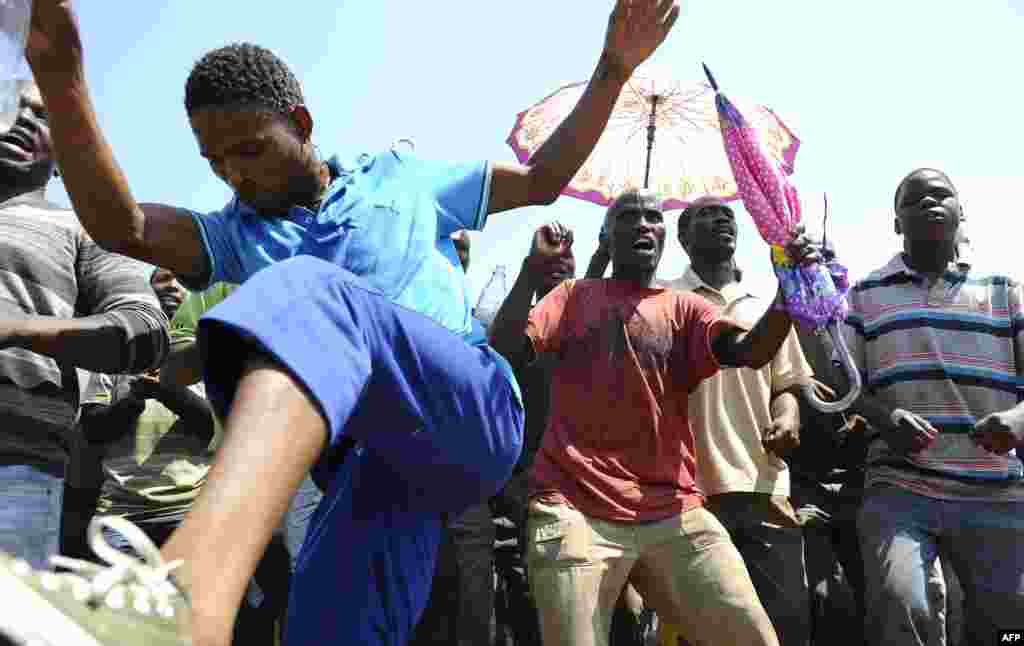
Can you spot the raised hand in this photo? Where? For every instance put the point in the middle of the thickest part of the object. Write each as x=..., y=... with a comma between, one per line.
x=551, y=242
x=635, y=29
x=54, y=47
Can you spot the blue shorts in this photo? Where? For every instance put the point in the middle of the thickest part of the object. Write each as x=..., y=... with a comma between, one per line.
x=420, y=423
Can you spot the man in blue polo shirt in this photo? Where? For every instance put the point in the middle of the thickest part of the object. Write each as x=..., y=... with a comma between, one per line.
x=354, y=353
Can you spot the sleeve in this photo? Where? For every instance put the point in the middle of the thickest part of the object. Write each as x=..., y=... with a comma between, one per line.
x=547, y=319
x=698, y=323
x=790, y=367
x=461, y=191
x=118, y=287
x=221, y=252
x=99, y=388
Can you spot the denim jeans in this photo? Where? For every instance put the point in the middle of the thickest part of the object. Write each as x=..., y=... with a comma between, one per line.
x=901, y=534
x=30, y=506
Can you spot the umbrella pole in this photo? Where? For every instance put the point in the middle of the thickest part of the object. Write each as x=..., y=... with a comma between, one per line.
x=650, y=138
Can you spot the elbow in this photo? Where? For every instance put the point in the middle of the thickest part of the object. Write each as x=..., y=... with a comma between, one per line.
x=544, y=190
x=130, y=241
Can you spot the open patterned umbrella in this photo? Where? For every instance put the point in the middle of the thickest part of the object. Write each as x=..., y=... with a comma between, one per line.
x=680, y=157
x=814, y=295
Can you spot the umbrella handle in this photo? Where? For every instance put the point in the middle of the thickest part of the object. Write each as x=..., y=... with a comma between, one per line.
x=852, y=373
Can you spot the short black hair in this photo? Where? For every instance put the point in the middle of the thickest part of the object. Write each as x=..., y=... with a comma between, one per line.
x=695, y=207
x=914, y=173
x=242, y=75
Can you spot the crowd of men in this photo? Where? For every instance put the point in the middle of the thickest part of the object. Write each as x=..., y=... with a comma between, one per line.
x=317, y=442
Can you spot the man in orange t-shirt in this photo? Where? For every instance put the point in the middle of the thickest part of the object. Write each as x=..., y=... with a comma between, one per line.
x=613, y=491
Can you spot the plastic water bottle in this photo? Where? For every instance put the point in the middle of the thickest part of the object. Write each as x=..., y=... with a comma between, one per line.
x=491, y=298
x=15, y=16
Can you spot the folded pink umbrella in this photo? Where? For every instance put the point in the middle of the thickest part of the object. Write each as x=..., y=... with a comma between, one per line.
x=815, y=294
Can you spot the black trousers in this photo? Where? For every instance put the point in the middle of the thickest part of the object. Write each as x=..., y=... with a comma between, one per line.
x=460, y=611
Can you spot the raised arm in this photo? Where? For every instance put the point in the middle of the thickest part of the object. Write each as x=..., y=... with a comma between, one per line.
x=635, y=29
x=552, y=243
x=161, y=235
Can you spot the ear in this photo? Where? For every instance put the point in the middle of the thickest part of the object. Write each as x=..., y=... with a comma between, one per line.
x=896, y=226
x=303, y=122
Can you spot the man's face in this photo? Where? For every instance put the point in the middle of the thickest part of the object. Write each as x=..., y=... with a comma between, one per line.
x=637, y=239
x=26, y=157
x=927, y=208
x=710, y=234
x=260, y=155
x=168, y=291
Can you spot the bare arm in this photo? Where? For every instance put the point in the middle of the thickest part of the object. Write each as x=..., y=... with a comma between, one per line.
x=635, y=30
x=246, y=494
x=556, y=162
x=754, y=349
x=184, y=365
x=785, y=405
x=508, y=330
x=599, y=261
x=162, y=235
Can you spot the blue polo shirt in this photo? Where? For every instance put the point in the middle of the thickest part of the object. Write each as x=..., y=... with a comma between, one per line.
x=387, y=218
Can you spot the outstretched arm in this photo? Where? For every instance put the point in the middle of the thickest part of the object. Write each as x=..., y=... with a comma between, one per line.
x=757, y=347
x=161, y=235
x=635, y=29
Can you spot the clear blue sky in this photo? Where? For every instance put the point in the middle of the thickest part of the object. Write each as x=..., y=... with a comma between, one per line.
x=873, y=89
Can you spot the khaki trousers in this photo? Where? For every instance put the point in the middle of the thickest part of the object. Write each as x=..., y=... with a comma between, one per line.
x=685, y=567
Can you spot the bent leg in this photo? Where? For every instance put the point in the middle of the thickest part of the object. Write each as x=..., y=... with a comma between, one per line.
x=443, y=413
x=898, y=545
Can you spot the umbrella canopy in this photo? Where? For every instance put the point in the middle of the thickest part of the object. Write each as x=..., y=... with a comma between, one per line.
x=663, y=134
x=814, y=295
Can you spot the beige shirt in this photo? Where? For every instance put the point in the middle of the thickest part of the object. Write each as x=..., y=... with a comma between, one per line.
x=729, y=410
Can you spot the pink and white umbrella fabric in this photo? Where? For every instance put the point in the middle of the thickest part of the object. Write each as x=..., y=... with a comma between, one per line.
x=662, y=135
x=814, y=295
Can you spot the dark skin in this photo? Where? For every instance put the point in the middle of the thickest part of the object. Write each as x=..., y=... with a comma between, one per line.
x=26, y=160
x=267, y=467
x=928, y=214
x=636, y=241
x=549, y=262
x=709, y=238
x=109, y=423
x=268, y=158
x=26, y=165
x=462, y=245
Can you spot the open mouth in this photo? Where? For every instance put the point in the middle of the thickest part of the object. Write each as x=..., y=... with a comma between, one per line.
x=645, y=245
x=16, y=140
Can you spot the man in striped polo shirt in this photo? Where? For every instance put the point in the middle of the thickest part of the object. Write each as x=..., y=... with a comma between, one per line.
x=941, y=350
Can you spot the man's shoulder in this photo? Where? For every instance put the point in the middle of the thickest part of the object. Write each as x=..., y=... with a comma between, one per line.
x=36, y=207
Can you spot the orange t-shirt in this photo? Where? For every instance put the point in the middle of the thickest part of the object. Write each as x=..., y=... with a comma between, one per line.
x=618, y=444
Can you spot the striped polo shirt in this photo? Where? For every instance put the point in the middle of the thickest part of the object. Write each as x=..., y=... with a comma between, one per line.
x=50, y=267
x=952, y=352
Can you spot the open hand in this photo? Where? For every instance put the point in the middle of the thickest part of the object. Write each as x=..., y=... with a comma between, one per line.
x=1000, y=432
x=635, y=29
x=910, y=432
x=54, y=47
